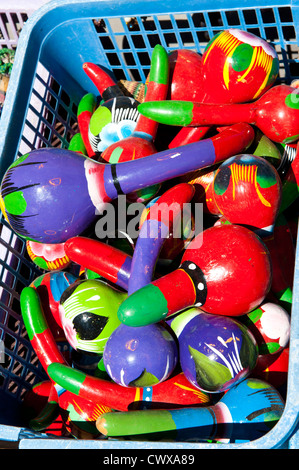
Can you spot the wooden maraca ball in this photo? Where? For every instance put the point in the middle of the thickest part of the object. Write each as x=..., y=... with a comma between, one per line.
x=247, y=191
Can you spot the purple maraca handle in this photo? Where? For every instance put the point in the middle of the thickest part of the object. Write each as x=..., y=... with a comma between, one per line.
x=126, y=177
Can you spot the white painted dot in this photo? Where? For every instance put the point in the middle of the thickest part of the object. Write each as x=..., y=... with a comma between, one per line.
x=200, y=286
x=192, y=266
x=199, y=304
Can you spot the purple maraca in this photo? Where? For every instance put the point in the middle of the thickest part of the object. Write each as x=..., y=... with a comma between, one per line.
x=140, y=357
x=216, y=352
x=50, y=195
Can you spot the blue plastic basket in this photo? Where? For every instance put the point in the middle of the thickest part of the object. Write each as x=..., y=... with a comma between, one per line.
x=46, y=85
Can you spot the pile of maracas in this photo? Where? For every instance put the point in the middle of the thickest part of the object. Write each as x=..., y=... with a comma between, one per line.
x=182, y=332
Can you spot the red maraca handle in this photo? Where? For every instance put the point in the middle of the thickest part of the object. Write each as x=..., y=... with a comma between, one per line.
x=105, y=84
x=105, y=260
x=275, y=113
x=39, y=333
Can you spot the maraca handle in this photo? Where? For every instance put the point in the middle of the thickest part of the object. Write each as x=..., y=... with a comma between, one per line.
x=105, y=84
x=176, y=390
x=199, y=423
x=157, y=89
x=105, y=260
x=187, y=113
x=39, y=333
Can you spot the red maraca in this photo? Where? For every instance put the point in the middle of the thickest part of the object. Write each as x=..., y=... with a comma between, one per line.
x=236, y=67
x=276, y=113
x=247, y=191
x=225, y=270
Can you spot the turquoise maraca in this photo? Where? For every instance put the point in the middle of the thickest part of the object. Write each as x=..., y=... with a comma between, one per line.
x=246, y=412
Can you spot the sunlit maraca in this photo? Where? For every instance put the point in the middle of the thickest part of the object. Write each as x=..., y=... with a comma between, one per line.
x=275, y=113
x=88, y=313
x=39, y=191
x=225, y=270
x=236, y=67
x=116, y=116
x=273, y=368
x=216, y=352
x=247, y=191
x=140, y=357
x=246, y=412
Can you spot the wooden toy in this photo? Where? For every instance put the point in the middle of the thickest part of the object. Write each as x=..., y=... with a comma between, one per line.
x=275, y=113
x=176, y=390
x=39, y=192
x=225, y=270
x=50, y=286
x=246, y=412
x=247, y=191
x=216, y=352
x=236, y=67
x=140, y=357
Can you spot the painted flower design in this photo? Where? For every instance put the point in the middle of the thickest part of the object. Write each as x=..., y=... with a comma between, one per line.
x=115, y=131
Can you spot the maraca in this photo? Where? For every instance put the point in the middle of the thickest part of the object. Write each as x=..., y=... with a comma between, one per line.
x=225, y=270
x=275, y=113
x=176, y=390
x=247, y=191
x=236, y=67
x=39, y=333
x=246, y=412
x=216, y=352
x=140, y=357
x=48, y=256
x=34, y=187
x=115, y=118
x=88, y=313
x=145, y=356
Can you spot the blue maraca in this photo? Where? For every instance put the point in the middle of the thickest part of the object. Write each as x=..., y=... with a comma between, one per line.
x=245, y=413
